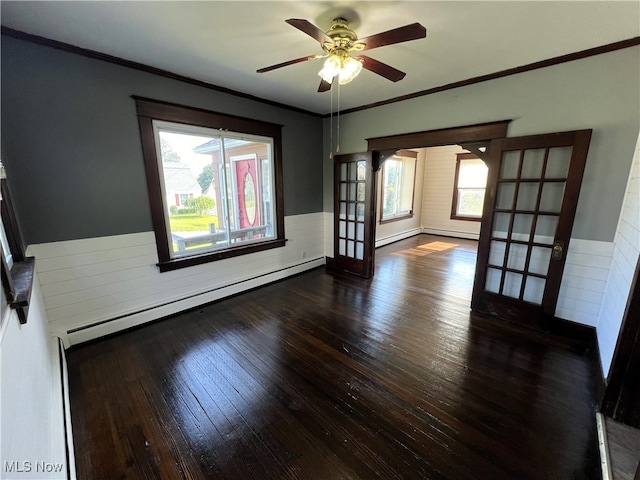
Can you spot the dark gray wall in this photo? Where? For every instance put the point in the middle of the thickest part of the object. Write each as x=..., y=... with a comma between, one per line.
x=71, y=143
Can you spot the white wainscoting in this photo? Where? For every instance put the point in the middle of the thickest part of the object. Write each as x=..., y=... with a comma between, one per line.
x=328, y=234
x=93, y=287
x=584, y=281
x=625, y=258
x=437, y=195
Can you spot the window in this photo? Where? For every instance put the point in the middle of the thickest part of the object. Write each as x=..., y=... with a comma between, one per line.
x=214, y=183
x=469, y=187
x=17, y=270
x=398, y=181
x=4, y=244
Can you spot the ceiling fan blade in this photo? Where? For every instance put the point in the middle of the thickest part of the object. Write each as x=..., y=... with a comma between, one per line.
x=310, y=29
x=382, y=69
x=285, y=64
x=413, y=31
x=324, y=86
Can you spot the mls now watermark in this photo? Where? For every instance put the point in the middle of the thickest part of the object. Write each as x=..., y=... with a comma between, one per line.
x=28, y=467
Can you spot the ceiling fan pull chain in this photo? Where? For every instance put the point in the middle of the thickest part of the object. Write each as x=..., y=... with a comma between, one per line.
x=331, y=128
x=338, y=120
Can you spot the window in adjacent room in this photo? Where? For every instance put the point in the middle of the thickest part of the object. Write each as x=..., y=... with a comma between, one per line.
x=398, y=186
x=214, y=183
x=469, y=187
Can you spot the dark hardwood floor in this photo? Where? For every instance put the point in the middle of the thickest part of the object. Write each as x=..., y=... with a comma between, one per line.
x=323, y=377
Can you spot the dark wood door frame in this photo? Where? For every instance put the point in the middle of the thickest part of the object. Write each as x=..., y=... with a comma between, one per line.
x=484, y=132
x=382, y=148
x=621, y=400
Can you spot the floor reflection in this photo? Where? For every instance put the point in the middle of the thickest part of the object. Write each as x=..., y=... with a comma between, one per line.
x=425, y=249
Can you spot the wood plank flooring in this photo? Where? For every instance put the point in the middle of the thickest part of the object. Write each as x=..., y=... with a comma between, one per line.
x=323, y=377
x=624, y=449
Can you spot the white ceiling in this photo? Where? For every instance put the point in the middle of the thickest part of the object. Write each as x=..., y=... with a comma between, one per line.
x=223, y=43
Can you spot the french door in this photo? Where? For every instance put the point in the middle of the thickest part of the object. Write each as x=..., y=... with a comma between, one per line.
x=530, y=204
x=353, y=214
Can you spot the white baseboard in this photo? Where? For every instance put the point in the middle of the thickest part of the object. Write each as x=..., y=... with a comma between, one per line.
x=90, y=332
x=450, y=233
x=397, y=236
x=605, y=461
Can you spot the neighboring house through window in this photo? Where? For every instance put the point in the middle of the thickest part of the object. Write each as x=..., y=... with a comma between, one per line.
x=469, y=187
x=214, y=183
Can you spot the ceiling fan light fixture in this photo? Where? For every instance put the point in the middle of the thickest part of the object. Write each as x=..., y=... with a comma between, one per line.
x=346, y=68
x=350, y=70
x=331, y=68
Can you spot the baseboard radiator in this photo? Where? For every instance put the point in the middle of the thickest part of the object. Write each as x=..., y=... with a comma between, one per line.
x=66, y=410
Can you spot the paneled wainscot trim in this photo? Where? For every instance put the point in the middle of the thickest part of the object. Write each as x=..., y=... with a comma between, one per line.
x=97, y=286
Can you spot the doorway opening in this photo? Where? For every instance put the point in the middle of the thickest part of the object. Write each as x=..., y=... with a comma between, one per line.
x=528, y=211
x=355, y=192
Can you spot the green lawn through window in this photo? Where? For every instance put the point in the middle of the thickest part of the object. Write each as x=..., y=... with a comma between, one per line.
x=191, y=222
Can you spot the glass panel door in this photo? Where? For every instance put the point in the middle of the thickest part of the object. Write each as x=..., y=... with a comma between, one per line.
x=534, y=184
x=353, y=214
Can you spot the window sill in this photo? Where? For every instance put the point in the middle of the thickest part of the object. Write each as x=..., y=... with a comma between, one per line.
x=176, y=263
x=396, y=219
x=22, y=274
x=467, y=219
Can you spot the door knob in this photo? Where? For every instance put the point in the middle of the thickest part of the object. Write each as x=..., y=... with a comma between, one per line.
x=558, y=250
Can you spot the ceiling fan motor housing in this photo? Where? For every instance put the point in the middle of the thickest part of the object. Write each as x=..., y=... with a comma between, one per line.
x=343, y=38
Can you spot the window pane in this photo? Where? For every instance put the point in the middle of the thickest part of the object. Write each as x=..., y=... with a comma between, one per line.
x=527, y=196
x=500, y=225
x=398, y=178
x=6, y=251
x=510, y=164
x=558, y=163
x=492, y=284
x=545, y=229
x=188, y=189
x=471, y=177
x=504, y=198
x=351, y=231
x=362, y=171
x=224, y=181
x=522, y=223
x=470, y=202
x=472, y=174
x=512, y=284
x=552, y=196
x=532, y=163
x=249, y=213
x=540, y=259
x=218, y=191
x=392, y=170
x=534, y=290
x=517, y=256
x=496, y=253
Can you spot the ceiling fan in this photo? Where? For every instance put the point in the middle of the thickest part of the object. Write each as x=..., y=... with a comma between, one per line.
x=340, y=41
